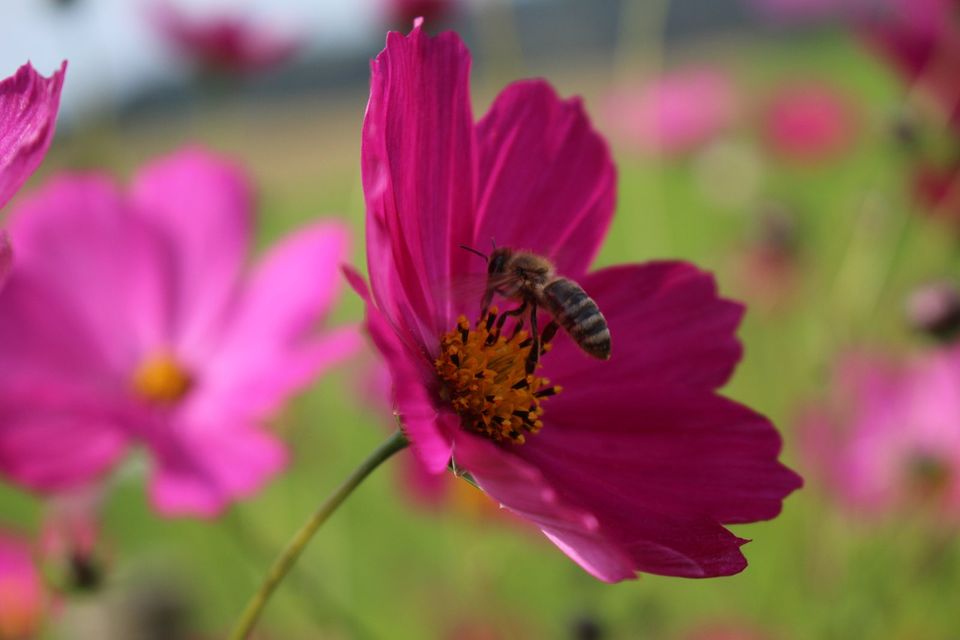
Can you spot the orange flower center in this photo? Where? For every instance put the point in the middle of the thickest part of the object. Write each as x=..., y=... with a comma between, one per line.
x=485, y=378
x=161, y=379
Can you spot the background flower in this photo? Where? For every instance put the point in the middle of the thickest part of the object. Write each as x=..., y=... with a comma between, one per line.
x=22, y=600
x=132, y=319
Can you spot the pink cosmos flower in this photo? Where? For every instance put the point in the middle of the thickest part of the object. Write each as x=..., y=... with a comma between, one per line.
x=808, y=123
x=403, y=12
x=677, y=112
x=892, y=439
x=132, y=320
x=224, y=43
x=921, y=39
x=28, y=116
x=22, y=601
x=637, y=463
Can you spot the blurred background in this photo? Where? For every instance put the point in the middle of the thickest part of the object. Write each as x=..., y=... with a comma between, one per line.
x=782, y=144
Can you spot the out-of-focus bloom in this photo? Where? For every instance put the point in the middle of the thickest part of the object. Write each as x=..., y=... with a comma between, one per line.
x=230, y=44
x=28, y=117
x=808, y=123
x=22, y=598
x=132, y=320
x=921, y=39
x=69, y=539
x=768, y=266
x=403, y=12
x=891, y=440
x=937, y=188
x=631, y=464
x=726, y=630
x=675, y=113
x=934, y=309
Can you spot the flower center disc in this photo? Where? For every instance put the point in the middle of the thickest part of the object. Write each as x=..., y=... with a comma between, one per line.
x=161, y=379
x=485, y=378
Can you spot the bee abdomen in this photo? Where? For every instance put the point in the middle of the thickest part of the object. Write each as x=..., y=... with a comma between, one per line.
x=579, y=315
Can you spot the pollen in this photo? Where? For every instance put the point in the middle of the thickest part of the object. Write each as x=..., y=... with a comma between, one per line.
x=161, y=379
x=486, y=377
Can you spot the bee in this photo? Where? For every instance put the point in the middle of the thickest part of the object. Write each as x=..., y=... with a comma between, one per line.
x=533, y=280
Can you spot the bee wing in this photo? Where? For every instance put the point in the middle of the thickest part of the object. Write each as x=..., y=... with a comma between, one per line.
x=464, y=288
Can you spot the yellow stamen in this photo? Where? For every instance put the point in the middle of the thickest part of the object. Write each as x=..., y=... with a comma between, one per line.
x=485, y=378
x=161, y=379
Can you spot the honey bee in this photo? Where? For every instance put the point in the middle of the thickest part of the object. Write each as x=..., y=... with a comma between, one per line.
x=533, y=280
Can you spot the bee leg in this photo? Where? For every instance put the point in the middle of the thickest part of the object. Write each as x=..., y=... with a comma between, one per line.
x=507, y=314
x=549, y=332
x=485, y=302
x=534, y=357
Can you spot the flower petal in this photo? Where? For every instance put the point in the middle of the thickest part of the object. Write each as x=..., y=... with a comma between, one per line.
x=546, y=180
x=28, y=115
x=203, y=466
x=662, y=467
x=422, y=421
x=667, y=325
x=418, y=178
x=204, y=203
x=269, y=350
x=6, y=257
x=50, y=444
x=81, y=249
x=521, y=488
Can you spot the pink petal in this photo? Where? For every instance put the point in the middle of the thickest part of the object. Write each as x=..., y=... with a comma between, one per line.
x=82, y=250
x=546, y=179
x=667, y=325
x=203, y=465
x=204, y=204
x=51, y=442
x=521, y=488
x=661, y=468
x=28, y=114
x=416, y=406
x=6, y=257
x=417, y=160
x=22, y=598
x=270, y=350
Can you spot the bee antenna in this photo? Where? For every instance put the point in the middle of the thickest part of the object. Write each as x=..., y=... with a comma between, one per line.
x=493, y=241
x=485, y=257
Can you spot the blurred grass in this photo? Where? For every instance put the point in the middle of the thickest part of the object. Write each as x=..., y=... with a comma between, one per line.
x=382, y=568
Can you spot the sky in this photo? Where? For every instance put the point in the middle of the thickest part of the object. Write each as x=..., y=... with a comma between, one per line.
x=113, y=50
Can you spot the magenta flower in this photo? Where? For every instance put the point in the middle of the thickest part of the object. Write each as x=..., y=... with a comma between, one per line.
x=636, y=463
x=921, y=40
x=228, y=44
x=131, y=320
x=28, y=117
x=891, y=439
x=676, y=113
x=808, y=123
x=22, y=599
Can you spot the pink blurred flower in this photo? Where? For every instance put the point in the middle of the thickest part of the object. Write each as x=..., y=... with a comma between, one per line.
x=403, y=12
x=808, y=123
x=229, y=44
x=132, y=320
x=639, y=462
x=22, y=599
x=28, y=117
x=891, y=439
x=675, y=113
x=921, y=39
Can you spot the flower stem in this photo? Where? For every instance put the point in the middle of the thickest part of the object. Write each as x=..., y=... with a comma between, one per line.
x=285, y=561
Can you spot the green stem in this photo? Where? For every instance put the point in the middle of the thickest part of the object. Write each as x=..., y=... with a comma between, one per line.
x=285, y=561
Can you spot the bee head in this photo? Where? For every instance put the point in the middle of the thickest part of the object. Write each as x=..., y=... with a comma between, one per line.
x=497, y=263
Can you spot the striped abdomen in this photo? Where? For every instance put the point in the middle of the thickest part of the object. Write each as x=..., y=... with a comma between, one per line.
x=579, y=316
